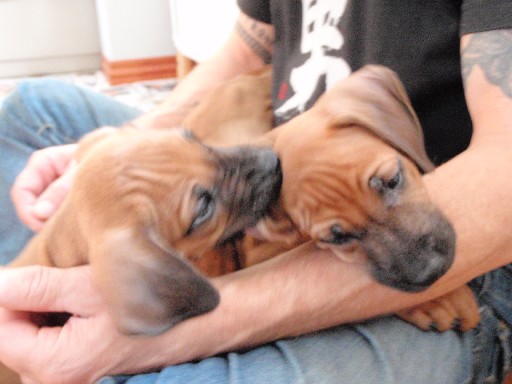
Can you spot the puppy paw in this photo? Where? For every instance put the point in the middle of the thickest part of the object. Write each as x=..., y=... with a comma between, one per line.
x=457, y=310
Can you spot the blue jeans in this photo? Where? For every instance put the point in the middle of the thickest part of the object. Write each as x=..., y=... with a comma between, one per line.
x=41, y=113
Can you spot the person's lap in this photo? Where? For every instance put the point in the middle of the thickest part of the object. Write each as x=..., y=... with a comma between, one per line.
x=380, y=351
x=44, y=113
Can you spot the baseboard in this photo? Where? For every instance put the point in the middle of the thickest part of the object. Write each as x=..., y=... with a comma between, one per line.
x=129, y=71
x=40, y=66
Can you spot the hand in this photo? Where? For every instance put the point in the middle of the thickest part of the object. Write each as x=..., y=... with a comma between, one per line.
x=44, y=183
x=84, y=349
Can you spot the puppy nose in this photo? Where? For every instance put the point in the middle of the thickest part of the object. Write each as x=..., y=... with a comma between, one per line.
x=267, y=160
x=430, y=256
x=430, y=265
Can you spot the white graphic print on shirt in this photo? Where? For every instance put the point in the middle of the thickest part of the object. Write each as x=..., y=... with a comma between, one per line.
x=319, y=36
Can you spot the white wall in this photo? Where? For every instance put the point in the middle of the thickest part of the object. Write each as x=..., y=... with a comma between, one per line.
x=200, y=27
x=135, y=29
x=46, y=36
x=51, y=36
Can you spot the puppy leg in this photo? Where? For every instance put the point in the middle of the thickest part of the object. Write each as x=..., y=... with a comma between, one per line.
x=457, y=309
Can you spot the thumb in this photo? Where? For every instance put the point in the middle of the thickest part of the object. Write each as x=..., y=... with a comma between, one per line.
x=48, y=289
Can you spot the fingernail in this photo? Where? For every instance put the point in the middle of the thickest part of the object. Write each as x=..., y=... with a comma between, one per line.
x=43, y=209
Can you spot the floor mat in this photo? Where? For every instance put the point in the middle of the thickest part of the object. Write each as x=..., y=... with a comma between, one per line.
x=144, y=95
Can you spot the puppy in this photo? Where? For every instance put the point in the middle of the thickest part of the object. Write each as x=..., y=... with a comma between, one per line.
x=142, y=203
x=359, y=191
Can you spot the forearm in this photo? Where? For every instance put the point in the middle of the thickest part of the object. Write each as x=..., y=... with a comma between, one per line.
x=302, y=291
x=235, y=57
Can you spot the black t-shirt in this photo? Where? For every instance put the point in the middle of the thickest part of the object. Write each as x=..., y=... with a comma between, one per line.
x=319, y=42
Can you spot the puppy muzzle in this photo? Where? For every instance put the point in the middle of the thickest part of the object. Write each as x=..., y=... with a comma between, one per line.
x=412, y=249
x=251, y=185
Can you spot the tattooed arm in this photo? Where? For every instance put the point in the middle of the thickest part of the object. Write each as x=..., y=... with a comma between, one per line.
x=248, y=47
x=482, y=172
x=491, y=53
x=472, y=187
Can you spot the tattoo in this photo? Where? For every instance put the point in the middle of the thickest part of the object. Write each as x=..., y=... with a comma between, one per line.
x=261, y=33
x=254, y=44
x=492, y=51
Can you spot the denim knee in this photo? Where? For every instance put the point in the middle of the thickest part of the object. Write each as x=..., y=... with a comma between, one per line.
x=55, y=112
x=383, y=351
x=493, y=336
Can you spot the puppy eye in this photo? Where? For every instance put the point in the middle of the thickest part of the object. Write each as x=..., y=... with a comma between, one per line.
x=395, y=181
x=339, y=236
x=205, y=208
x=382, y=184
x=204, y=204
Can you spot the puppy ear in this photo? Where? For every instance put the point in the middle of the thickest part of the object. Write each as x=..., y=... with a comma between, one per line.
x=374, y=98
x=147, y=288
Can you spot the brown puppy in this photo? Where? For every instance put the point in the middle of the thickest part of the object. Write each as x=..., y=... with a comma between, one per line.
x=146, y=201
x=142, y=203
x=359, y=190
x=360, y=186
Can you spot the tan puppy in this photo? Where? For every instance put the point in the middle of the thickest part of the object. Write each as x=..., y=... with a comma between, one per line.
x=142, y=203
x=352, y=182
x=359, y=188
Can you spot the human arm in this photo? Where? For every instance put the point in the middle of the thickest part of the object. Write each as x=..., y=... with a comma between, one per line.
x=487, y=75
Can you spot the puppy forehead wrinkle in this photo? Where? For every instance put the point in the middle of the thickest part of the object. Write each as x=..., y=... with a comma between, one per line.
x=327, y=195
x=149, y=170
x=324, y=183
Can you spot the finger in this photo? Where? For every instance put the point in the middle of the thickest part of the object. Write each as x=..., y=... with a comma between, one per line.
x=48, y=202
x=27, y=186
x=43, y=167
x=46, y=289
x=15, y=329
